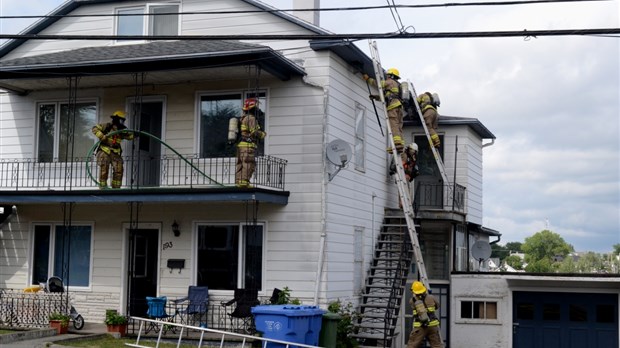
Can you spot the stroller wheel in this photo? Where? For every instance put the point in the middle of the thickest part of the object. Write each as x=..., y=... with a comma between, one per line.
x=78, y=322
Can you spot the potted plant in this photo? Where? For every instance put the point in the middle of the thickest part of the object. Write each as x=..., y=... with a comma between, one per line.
x=60, y=322
x=115, y=322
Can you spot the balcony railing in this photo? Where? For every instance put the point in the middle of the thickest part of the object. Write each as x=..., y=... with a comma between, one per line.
x=168, y=171
x=439, y=196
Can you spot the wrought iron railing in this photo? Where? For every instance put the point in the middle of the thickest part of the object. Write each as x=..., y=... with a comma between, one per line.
x=440, y=196
x=169, y=171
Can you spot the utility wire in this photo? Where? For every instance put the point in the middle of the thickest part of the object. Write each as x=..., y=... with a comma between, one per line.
x=527, y=34
x=355, y=8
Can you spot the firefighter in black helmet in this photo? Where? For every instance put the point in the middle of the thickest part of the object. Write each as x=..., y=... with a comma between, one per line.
x=110, y=151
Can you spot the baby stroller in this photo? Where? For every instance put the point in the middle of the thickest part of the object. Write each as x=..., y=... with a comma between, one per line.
x=54, y=284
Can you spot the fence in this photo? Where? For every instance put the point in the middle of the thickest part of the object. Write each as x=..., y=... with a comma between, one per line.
x=21, y=309
x=165, y=171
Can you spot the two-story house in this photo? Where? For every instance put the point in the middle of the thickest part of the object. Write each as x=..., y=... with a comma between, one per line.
x=178, y=219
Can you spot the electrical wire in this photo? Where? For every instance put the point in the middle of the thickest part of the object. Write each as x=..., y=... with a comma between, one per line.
x=355, y=8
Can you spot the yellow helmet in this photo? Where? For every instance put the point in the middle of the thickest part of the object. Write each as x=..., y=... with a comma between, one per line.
x=118, y=113
x=394, y=72
x=418, y=288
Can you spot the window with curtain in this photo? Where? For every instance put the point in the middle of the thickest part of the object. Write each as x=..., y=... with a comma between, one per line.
x=229, y=256
x=62, y=252
x=55, y=120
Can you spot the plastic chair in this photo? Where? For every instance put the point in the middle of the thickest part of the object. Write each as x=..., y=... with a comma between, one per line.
x=244, y=300
x=157, y=310
x=197, y=305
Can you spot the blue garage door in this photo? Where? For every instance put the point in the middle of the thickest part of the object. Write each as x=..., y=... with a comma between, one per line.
x=564, y=320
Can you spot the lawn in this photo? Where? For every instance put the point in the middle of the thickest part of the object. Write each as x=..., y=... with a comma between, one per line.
x=111, y=342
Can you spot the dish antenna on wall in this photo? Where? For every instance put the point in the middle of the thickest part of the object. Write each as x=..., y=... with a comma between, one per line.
x=339, y=153
x=481, y=251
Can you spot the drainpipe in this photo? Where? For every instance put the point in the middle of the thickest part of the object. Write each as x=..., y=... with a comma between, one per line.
x=489, y=144
x=324, y=182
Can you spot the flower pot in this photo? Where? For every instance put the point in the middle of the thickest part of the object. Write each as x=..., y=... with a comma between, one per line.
x=62, y=327
x=120, y=328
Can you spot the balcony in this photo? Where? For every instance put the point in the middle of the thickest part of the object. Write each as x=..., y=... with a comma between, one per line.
x=170, y=171
x=447, y=198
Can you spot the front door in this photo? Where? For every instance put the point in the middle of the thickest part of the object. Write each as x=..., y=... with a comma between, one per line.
x=429, y=191
x=146, y=163
x=143, y=254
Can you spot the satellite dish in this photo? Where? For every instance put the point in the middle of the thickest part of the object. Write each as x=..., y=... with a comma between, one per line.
x=339, y=152
x=481, y=250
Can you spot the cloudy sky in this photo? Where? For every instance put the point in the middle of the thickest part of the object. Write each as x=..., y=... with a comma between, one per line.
x=552, y=102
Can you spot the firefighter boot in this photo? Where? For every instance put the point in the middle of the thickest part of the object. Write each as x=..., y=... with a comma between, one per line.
x=435, y=140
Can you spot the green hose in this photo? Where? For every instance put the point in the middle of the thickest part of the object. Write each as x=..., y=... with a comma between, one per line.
x=92, y=149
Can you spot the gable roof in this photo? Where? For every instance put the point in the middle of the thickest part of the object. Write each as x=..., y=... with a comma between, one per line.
x=445, y=120
x=70, y=5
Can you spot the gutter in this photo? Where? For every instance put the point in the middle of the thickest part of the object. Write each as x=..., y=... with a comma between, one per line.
x=489, y=144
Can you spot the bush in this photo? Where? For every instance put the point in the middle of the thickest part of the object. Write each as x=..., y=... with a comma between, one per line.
x=345, y=325
x=113, y=318
x=60, y=317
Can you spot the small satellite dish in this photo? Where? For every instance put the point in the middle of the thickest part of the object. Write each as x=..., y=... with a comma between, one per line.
x=339, y=152
x=481, y=250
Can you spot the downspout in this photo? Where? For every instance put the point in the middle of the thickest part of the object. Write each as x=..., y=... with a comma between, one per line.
x=324, y=182
x=489, y=144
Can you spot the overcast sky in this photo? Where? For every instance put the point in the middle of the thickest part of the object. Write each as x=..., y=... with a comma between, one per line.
x=552, y=102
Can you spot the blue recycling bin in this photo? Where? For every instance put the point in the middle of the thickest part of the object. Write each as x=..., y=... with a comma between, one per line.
x=291, y=323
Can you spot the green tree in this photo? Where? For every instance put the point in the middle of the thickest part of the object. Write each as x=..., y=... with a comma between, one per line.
x=590, y=262
x=540, y=266
x=514, y=261
x=544, y=245
x=514, y=246
x=568, y=266
x=499, y=251
x=616, y=249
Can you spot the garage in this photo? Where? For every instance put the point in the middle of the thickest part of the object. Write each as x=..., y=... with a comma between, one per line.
x=565, y=319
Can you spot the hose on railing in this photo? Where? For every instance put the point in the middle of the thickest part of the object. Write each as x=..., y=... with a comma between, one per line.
x=92, y=149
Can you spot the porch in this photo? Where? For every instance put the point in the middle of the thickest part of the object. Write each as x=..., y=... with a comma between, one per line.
x=433, y=197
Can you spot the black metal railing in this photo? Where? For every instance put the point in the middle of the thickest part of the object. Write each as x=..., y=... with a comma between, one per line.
x=168, y=171
x=439, y=196
x=22, y=309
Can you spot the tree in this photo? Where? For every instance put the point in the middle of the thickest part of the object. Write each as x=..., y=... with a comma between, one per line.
x=514, y=261
x=568, y=266
x=499, y=251
x=514, y=246
x=590, y=262
x=616, y=249
x=541, y=248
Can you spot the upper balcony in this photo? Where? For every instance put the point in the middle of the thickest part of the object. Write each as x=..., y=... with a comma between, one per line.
x=440, y=201
x=161, y=179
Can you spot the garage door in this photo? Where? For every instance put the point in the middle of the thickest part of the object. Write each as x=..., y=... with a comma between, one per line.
x=564, y=320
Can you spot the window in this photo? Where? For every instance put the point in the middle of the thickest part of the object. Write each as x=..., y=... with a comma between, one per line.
x=360, y=137
x=461, y=249
x=54, y=124
x=230, y=256
x=551, y=311
x=62, y=252
x=215, y=113
x=132, y=22
x=478, y=310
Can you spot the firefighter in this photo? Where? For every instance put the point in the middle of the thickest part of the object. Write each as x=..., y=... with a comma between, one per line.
x=109, y=150
x=425, y=320
x=395, y=112
x=251, y=134
x=428, y=106
x=409, y=158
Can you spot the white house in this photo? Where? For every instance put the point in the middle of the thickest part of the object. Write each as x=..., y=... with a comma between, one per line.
x=179, y=220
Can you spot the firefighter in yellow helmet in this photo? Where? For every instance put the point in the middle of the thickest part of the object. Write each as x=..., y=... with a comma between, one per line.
x=394, y=106
x=428, y=105
x=109, y=151
x=251, y=134
x=425, y=319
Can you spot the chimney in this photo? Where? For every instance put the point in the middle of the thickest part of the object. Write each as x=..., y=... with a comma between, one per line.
x=308, y=16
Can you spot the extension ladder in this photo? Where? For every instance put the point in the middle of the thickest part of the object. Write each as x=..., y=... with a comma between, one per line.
x=401, y=182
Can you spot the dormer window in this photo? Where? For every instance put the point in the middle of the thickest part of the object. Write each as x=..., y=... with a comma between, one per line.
x=132, y=21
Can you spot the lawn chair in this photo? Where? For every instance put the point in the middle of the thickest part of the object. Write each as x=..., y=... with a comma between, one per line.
x=275, y=296
x=194, y=307
x=157, y=311
x=241, y=318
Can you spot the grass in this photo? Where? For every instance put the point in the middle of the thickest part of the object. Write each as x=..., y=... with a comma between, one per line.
x=3, y=331
x=111, y=342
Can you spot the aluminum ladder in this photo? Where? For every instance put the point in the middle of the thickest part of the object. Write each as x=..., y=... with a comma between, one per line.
x=401, y=182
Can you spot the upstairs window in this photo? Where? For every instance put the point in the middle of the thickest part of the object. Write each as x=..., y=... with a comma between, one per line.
x=360, y=137
x=54, y=123
x=132, y=21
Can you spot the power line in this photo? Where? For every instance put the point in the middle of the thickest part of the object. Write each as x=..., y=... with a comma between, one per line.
x=527, y=34
x=355, y=8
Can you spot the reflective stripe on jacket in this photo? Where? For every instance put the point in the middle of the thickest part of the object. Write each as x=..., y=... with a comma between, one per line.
x=111, y=144
x=425, y=102
x=250, y=131
x=391, y=91
x=431, y=306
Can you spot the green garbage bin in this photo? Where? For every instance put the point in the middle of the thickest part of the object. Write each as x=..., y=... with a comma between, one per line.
x=329, y=330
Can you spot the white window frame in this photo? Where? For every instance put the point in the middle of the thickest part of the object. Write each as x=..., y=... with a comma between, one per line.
x=241, y=260
x=360, y=137
x=147, y=19
x=52, y=252
x=485, y=300
x=57, y=108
